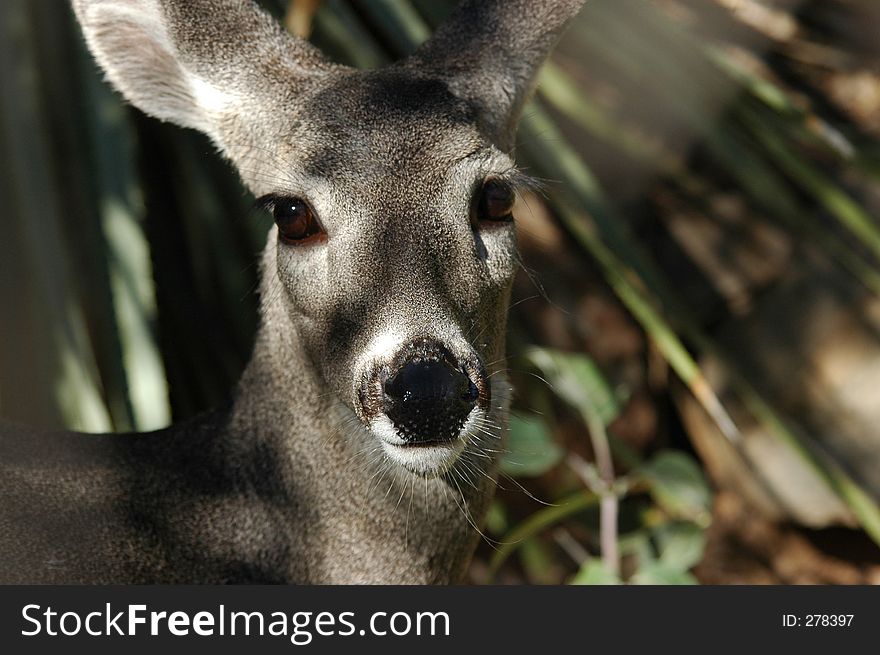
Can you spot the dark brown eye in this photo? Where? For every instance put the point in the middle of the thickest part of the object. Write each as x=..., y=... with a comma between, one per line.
x=296, y=221
x=496, y=202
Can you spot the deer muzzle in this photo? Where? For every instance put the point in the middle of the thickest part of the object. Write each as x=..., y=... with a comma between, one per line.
x=424, y=396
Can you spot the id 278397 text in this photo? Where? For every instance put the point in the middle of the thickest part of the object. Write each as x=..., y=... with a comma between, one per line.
x=817, y=620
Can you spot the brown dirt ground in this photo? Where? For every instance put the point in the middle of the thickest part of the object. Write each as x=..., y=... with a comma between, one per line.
x=744, y=548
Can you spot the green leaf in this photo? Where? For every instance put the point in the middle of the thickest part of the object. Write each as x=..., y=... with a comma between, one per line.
x=578, y=381
x=677, y=484
x=636, y=544
x=680, y=544
x=530, y=449
x=538, y=522
x=496, y=518
x=594, y=572
x=658, y=572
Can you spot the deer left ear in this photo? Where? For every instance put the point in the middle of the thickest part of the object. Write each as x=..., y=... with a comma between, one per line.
x=489, y=53
x=192, y=61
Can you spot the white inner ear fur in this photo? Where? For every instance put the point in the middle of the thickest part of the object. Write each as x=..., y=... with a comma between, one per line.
x=145, y=14
x=208, y=97
x=140, y=59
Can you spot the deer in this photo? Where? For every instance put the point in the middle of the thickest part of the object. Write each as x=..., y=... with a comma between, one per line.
x=361, y=444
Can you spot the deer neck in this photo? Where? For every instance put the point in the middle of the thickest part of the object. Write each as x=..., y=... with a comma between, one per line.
x=347, y=515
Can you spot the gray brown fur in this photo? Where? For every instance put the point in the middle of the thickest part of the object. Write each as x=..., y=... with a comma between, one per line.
x=286, y=483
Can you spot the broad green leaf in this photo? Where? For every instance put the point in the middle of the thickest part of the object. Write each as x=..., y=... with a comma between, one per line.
x=530, y=449
x=637, y=546
x=680, y=544
x=594, y=572
x=659, y=573
x=496, y=518
x=578, y=381
x=677, y=484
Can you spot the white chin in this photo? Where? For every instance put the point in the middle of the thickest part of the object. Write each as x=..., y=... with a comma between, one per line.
x=427, y=461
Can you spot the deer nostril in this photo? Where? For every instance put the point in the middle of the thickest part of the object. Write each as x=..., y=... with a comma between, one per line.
x=472, y=392
x=395, y=387
x=429, y=401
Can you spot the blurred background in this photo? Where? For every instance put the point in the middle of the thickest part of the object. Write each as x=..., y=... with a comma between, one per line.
x=695, y=334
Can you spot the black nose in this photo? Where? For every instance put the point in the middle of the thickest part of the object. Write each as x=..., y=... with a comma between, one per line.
x=429, y=401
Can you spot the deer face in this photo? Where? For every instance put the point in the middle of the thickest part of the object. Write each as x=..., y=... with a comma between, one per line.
x=392, y=195
x=395, y=250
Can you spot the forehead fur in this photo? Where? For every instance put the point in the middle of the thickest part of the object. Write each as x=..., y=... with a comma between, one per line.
x=384, y=123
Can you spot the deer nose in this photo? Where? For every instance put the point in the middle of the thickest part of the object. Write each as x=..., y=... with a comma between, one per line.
x=428, y=401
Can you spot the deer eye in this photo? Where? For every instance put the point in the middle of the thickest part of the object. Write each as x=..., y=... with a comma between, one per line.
x=496, y=202
x=296, y=221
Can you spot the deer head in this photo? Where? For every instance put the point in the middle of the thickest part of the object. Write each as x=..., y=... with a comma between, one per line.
x=393, y=250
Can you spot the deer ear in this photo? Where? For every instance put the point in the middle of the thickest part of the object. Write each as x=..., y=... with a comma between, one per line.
x=190, y=61
x=489, y=53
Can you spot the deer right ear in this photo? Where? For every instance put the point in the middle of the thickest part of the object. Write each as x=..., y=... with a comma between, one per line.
x=489, y=52
x=190, y=61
